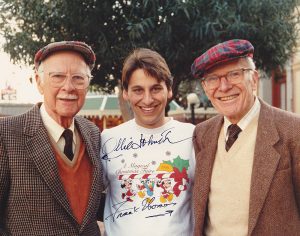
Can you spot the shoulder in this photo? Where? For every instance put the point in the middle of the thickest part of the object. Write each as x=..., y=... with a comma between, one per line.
x=117, y=130
x=286, y=124
x=278, y=115
x=182, y=126
x=209, y=124
x=85, y=124
x=18, y=122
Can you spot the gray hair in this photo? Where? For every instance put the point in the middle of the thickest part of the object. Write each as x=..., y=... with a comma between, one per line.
x=40, y=71
x=250, y=64
x=249, y=61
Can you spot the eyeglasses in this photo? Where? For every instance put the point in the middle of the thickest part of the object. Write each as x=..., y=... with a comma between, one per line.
x=232, y=77
x=79, y=81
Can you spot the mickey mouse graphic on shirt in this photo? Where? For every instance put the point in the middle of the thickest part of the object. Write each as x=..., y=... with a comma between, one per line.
x=128, y=193
x=169, y=180
x=167, y=193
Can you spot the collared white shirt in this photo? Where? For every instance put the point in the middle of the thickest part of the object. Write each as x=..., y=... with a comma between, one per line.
x=55, y=130
x=245, y=121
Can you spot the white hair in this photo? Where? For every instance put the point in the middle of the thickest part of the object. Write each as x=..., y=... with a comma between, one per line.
x=40, y=72
x=250, y=63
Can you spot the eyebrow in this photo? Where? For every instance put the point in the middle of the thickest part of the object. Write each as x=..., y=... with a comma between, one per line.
x=223, y=73
x=136, y=86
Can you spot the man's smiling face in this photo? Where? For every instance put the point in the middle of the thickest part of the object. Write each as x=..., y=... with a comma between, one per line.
x=233, y=100
x=62, y=103
x=148, y=98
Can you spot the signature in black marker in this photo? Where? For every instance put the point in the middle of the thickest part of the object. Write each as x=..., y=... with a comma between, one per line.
x=124, y=144
x=146, y=205
x=166, y=213
x=122, y=212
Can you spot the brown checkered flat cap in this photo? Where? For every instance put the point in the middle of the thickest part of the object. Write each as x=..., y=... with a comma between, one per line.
x=220, y=53
x=80, y=47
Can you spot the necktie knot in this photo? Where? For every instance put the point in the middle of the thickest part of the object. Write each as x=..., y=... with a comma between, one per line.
x=68, y=150
x=233, y=133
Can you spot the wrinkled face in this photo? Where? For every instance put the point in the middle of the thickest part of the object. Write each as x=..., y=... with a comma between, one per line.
x=233, y=100
x=148, y=99
x=64, y=102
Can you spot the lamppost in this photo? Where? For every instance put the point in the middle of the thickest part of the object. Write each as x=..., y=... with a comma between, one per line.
x=193, y=101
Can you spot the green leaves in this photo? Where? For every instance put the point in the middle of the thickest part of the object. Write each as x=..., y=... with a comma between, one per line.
x=179, y=163
x=178, y=29
x=138, y=30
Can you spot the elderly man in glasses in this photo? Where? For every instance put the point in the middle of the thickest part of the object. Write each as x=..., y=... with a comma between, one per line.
x=247, y=179
x=50, y=172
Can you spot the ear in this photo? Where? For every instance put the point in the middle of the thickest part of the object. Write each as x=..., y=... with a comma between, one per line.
x=203, y=86
x=254, y=81
x=39, y=82
x=125, y=95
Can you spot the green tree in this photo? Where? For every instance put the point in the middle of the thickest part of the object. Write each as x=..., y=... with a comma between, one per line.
x=178, y=29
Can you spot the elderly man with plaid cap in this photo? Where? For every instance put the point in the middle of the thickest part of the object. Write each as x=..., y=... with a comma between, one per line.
x=247, y=179
x=50, y=171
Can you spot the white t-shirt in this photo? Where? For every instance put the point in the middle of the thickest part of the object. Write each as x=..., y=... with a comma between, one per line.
x=149, y=176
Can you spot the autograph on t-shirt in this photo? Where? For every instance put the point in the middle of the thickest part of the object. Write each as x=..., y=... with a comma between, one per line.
x=128, y=143
x=147, y=204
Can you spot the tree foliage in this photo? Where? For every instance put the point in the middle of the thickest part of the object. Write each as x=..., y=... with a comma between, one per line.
x=178, y=29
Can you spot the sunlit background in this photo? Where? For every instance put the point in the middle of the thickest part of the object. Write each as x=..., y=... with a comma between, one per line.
x=15, y=85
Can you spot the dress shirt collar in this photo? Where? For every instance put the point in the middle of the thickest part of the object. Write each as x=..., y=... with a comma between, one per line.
x=53, y=128
x=245, y=121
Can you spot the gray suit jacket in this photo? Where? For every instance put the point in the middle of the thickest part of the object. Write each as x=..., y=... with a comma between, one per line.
x=275, y=182
x=32, y=197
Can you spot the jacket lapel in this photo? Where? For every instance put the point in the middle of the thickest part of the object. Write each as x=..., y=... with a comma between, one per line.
x=265, y=163
x=205, y=160
x=96, y=189
x=39, y=149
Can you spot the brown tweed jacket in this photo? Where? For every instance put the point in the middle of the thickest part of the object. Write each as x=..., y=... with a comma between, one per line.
x=275, y=183
x=32, y=197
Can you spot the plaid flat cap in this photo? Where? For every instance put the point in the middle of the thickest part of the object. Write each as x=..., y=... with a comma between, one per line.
x=220, y=53
x=80, y=47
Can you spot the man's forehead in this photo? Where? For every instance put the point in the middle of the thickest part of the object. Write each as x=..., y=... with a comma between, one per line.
x=147, y=83
x=227, y=66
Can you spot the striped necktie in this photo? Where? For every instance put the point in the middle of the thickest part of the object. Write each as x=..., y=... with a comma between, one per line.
x=233, y=133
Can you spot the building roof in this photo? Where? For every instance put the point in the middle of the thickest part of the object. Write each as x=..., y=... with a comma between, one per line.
x=11, y=109
x=109, y=105
x=100, y=105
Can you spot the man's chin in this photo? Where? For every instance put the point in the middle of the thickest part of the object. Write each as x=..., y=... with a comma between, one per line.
x=68, y=114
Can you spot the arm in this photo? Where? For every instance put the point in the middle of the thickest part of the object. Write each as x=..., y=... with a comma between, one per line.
x=195, y=140
x=296, y=166
x=4, y=185
x=100, y=212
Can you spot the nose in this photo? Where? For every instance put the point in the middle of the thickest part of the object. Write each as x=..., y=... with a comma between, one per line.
x=68, y=85
x=224, y=84
x=148, y=99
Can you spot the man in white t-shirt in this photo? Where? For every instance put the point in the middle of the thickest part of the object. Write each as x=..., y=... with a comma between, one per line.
x=148, y=161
